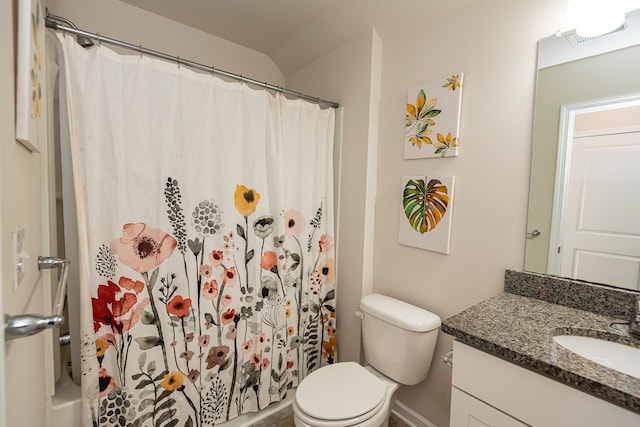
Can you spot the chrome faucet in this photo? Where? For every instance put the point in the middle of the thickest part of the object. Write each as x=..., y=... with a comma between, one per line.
x=634, y=324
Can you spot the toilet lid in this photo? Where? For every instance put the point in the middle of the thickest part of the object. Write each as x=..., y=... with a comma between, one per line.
x=340, y=391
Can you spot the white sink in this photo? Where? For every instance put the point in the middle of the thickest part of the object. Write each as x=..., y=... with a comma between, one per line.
x=620, y=357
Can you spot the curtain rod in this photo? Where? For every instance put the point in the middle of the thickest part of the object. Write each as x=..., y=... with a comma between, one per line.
x=50, y=22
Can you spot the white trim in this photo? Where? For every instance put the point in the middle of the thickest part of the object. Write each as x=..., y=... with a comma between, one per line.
x=606, y=131
x=409, y=416
x=566, y=135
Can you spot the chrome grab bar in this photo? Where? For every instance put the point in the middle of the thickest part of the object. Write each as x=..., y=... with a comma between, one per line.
x=29, y=324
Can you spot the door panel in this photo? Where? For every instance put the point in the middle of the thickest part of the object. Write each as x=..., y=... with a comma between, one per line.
x=601, y=240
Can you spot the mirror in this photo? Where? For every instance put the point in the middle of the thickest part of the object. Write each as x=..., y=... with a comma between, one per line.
x=587, y=92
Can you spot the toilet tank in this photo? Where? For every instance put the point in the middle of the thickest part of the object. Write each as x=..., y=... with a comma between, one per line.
x=398, y=338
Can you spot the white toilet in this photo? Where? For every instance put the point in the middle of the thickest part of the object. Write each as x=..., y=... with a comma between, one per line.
x=399, y=340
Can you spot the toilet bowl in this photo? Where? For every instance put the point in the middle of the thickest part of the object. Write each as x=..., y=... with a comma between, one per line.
x=344, y=394
x=398, y=340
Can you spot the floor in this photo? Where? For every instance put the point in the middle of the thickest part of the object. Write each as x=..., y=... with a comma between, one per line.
x=284, y=418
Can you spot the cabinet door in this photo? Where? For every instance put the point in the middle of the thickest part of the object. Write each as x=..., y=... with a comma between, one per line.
x=467, y=411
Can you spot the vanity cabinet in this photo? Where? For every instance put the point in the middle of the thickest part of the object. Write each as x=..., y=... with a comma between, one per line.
x=488, y=391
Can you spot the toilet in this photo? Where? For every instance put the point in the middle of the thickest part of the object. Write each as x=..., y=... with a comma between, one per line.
x=399, y=340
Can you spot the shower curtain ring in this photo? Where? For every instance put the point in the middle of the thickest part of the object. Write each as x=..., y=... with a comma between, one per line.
x=140, y=49
x=178, y=61
x=99, y=39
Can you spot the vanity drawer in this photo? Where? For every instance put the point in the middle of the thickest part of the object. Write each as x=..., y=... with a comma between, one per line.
x=471, y=412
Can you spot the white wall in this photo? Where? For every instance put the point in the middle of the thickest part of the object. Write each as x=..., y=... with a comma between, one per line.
x=494, y=43
x=122, y=21
x=20, y=205
x=350, y=74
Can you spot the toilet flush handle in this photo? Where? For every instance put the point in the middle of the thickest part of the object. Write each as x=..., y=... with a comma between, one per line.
x=359, y=314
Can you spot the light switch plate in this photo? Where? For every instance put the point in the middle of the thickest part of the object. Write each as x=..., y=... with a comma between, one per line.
x=19, y=256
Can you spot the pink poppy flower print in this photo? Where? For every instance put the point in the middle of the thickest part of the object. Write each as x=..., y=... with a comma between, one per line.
x=226, y=300
x=228, y=277
x=293, y=223
x=210, y=290
x=205, y=270
x=143, y=248
x=268, y=260
x=216, y=258
x=105, y=382
x=325, y=243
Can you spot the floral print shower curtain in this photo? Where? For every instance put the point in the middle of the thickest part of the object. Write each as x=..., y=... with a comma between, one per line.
x=205, y=216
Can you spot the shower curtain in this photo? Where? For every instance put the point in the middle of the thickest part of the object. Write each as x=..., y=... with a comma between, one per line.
x=205, y=216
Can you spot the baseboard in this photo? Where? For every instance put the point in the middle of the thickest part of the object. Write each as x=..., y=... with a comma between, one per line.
x=409, y=416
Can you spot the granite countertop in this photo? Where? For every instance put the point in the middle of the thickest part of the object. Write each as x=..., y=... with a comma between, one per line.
x=519, y=329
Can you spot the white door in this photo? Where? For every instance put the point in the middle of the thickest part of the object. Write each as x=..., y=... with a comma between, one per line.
x=23, y=394
x=601, y=236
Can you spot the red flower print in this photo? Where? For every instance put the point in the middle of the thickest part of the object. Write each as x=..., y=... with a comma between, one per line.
x=268, y=260
x=101, y=314
x=131, y=285
x=112, y=311
x=227, y=316
x=265, y=363
x=289, y=364
x=210, y=290
x=228, y=277
x=216, y=258
x=179, y=306
x=123, y=305
x=293, y=223
x=143, y=248
x=217, y=356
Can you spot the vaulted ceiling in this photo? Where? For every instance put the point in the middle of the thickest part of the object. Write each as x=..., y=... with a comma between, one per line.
x=294, y=31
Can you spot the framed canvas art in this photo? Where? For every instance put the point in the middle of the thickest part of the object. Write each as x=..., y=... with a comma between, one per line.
x=30, y=124
x=433, y=118
x=426, y=210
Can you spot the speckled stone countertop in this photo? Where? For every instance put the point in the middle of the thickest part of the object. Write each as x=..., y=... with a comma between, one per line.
x=519, y=329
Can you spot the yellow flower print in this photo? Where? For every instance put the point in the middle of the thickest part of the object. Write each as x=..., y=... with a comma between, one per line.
x=445, y=143
x=288, y=303
x=246, y=200
x=101, y=347
x=290, y=330
x=453, y=82
x=172, y=380
x=288, y=312
x=419, y=118
x=329, y=347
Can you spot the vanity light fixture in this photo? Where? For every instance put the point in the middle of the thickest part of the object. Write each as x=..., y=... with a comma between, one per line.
x=597, y=17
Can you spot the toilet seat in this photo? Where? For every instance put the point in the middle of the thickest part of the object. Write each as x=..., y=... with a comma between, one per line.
x=344, y=393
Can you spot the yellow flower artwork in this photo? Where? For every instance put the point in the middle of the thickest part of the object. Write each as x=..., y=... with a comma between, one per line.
x=433, y=118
